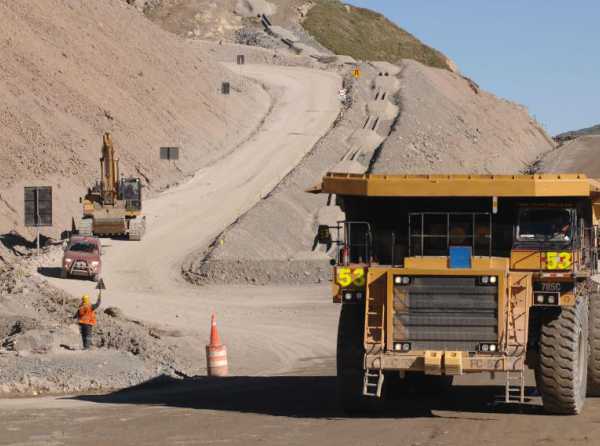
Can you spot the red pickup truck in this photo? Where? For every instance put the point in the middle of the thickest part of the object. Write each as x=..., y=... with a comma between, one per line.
x=82, y=258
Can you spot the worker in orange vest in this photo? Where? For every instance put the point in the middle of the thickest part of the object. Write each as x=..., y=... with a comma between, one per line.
x=86, y=314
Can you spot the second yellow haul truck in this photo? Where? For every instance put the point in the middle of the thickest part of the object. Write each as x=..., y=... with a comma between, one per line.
x=444, y=275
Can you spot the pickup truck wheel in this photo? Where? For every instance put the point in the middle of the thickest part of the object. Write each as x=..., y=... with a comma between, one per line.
x=64, y=274
x=350, y=352
x=95, y=277
x=561, y=372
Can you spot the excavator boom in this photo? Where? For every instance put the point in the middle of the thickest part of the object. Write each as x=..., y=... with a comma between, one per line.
x=109, y=171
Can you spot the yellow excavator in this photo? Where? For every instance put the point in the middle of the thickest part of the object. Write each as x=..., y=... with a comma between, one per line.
x=113, y=206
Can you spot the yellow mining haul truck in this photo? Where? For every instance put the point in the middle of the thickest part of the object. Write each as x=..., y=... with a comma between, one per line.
x=113, y=206
x=443, y=275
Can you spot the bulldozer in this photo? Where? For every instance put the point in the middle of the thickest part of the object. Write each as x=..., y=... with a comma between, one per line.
x=445, y=275
x=113, y=206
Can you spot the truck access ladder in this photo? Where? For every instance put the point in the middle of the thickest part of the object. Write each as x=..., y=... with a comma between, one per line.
x=375, y=337
x=515, y=340
x=515, y=387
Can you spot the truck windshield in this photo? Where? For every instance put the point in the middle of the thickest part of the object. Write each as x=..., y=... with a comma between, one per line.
x=545, y=225
x=82, y=247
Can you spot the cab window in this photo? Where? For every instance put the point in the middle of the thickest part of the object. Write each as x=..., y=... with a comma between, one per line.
x=541, y=224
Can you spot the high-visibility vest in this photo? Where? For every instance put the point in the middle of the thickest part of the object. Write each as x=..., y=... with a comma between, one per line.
x=87, y=316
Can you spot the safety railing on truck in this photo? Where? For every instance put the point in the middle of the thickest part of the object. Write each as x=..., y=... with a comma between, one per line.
x=433, y=233
x=353, y=242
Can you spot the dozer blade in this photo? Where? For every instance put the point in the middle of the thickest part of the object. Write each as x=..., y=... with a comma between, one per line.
x=110, y=226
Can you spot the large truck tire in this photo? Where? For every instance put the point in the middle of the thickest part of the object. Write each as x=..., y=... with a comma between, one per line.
x=350, y=352
x=86, y=227
x=562, y=368
x=593, y=378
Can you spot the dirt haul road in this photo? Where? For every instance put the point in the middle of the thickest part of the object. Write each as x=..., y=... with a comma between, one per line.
x=297, y=408
x=144, y=278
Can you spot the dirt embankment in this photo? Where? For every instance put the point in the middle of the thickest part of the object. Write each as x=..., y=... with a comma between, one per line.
x=80, y=68
x=449, y=125
x=405, y=118
x=40, y=345
x=579, y=155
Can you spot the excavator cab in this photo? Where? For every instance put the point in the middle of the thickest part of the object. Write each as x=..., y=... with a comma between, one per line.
x=131, y=193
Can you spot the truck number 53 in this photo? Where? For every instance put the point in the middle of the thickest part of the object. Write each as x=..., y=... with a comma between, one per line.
x=348, y=276
x=559, y=260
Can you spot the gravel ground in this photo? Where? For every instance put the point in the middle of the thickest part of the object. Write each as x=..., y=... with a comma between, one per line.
x=40, y=345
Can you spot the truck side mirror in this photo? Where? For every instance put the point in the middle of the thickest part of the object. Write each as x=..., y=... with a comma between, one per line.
x=80, y=200
x=323, y=234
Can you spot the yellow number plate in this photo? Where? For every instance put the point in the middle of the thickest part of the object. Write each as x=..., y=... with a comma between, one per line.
x=558, y=260
x=348, y=276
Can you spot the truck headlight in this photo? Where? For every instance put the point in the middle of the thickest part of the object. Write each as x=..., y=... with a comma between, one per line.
x=487, y=280
x=547, y=299
x=401, y=280
x=488, y=347
x=353, y=296
x=402, y=346
x=67, y=260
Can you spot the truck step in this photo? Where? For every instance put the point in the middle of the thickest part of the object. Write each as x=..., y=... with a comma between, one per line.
x=373, y=383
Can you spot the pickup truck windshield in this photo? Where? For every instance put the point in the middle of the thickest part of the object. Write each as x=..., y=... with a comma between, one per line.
x=83, y=247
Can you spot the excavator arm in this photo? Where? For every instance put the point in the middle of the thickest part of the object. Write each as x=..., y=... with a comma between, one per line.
x=109, y=171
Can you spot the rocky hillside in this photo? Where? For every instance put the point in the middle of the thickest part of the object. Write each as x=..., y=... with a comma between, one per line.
x=577, y=152
x=70, y=71
x=579, y=155
x=447, y=124
x=316, y=26
x=593, y=130
x=367, y=35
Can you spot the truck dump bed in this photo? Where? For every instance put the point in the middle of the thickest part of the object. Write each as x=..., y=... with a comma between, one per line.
x=539, y=185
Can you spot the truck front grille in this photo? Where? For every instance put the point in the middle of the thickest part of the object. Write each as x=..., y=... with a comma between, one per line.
x=445, y=313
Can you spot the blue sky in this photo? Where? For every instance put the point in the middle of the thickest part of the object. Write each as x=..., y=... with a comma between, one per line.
x=544, y=54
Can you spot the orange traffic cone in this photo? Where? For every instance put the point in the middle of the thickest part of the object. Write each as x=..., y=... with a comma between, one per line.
x=216, y=353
